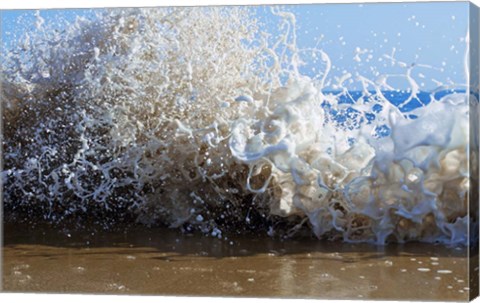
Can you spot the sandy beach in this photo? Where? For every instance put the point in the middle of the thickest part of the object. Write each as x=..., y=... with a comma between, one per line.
x=166, y=262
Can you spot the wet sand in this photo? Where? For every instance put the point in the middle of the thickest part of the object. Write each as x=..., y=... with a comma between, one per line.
x=160, y=261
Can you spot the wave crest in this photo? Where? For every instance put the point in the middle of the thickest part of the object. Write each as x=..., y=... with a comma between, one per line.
x=193, y=117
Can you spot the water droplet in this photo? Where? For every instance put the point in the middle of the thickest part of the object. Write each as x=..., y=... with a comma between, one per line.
x=444, y=271
x=423, y=269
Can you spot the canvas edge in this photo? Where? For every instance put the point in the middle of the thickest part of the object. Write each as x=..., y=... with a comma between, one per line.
x=473, y=198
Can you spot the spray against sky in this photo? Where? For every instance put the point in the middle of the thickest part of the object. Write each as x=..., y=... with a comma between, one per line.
x=205, y=119
x=360, y=39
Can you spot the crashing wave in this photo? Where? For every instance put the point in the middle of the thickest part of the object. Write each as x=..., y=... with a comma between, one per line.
x=196, y=118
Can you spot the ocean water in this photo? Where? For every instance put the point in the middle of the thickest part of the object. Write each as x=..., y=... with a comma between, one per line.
x=199, y=119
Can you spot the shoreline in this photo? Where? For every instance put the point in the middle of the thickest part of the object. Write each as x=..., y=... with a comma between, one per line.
x=160, y=261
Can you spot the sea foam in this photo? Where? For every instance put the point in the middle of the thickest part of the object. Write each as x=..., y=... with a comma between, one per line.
x=198, y=118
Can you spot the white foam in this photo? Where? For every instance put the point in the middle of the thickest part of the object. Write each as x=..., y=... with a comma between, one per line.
x=184, y=116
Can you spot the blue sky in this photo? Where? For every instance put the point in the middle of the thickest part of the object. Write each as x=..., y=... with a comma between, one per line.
x=356, y=37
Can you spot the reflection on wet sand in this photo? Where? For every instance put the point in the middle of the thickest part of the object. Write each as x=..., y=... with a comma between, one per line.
x=160, y=261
